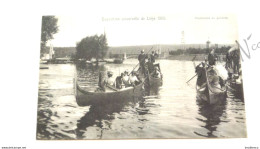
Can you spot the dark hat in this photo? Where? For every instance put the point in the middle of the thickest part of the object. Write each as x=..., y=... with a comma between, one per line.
x=109, y=73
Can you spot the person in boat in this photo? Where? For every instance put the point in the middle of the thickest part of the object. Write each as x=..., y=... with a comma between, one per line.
x=228, y=61
x=213, y=78
x=126, y=80
x=134, y=80
x=212, y=58
x=141, y=59
x=119, y=81
x=235, y=59
x=201, y=79
x=228, y=64
x=152, y=56
x=110, y=81
x=149, y=66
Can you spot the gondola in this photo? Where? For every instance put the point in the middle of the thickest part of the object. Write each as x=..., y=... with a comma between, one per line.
x=152, y=81
x=115, y=61
x=235, y=87
x=85, y=98
x=235, y=82
x=155, y=82
x=207, y=91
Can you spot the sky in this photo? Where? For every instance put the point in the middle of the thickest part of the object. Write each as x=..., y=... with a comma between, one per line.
x=148, y=29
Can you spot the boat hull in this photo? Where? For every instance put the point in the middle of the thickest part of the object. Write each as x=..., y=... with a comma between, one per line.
x=210, y=93
x=202, y=93
x=155, y=82
x=236, y=89
x=85, y=98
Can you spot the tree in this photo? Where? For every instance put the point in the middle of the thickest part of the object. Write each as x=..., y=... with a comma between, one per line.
x=49, y=28
x=92, y=47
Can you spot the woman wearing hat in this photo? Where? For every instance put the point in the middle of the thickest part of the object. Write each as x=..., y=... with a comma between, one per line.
x=110, y=81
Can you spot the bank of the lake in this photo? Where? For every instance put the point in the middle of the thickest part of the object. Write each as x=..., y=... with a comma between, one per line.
x=189, y=57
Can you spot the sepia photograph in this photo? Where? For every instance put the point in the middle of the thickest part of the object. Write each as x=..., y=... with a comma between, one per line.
x=175, y=76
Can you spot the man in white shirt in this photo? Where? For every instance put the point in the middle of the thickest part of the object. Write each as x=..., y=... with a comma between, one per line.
x=126, y=80
x=133, y=79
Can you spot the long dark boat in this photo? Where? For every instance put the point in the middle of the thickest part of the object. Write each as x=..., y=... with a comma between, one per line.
x=155, y=82
x=114, y=61
x=206, y=90
x=152, y=81
x=235, y=86
x=85, y=98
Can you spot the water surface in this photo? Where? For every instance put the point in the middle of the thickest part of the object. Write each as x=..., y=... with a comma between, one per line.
x=171, y=112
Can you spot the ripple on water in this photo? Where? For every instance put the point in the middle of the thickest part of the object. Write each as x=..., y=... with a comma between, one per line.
x=172, y=112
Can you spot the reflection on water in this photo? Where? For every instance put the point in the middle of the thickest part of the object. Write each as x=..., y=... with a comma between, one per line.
x=170, y=111
x=212, y=115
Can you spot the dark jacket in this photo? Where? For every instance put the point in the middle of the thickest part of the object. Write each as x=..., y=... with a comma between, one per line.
x=119, y=82
x=212, y=59
x=152, y=56
x=141, y=58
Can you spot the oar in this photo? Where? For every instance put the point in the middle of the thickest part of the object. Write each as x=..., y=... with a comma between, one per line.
x=193, y=61
x=141, y=61
x=192, y=78
x=111, y=87
x=194, y=75
x=194, y=58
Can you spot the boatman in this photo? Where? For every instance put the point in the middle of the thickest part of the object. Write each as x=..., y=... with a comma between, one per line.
x=228, y=61
x=212, y=58
x=149, y=65
x=141, y=59
x=235, y=59
x=152, y=57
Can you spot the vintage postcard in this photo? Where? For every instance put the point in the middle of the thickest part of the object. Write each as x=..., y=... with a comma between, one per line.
x=140, y=77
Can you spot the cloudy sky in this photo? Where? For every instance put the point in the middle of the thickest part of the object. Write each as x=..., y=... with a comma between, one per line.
x=148, y=29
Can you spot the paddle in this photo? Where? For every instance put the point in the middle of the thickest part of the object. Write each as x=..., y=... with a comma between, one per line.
x=141, y=61
x=195, y=67
x=193, y=61
x=111, y=87
x=192, y=78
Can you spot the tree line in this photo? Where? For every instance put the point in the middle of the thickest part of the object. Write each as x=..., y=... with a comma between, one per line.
x=49, y=28
x=92, y=47
x=88, y=48
x=222, y=50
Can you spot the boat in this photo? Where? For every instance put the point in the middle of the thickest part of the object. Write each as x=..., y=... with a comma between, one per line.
x=114, y=61
x=44, y=67
x=209, y=85
x=235, y=82
x=118, y=61
x=86, y=98
x=153, y=82
x=235, y=86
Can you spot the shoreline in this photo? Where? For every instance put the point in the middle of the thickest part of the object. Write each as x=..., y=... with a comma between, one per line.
x=199, y=57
